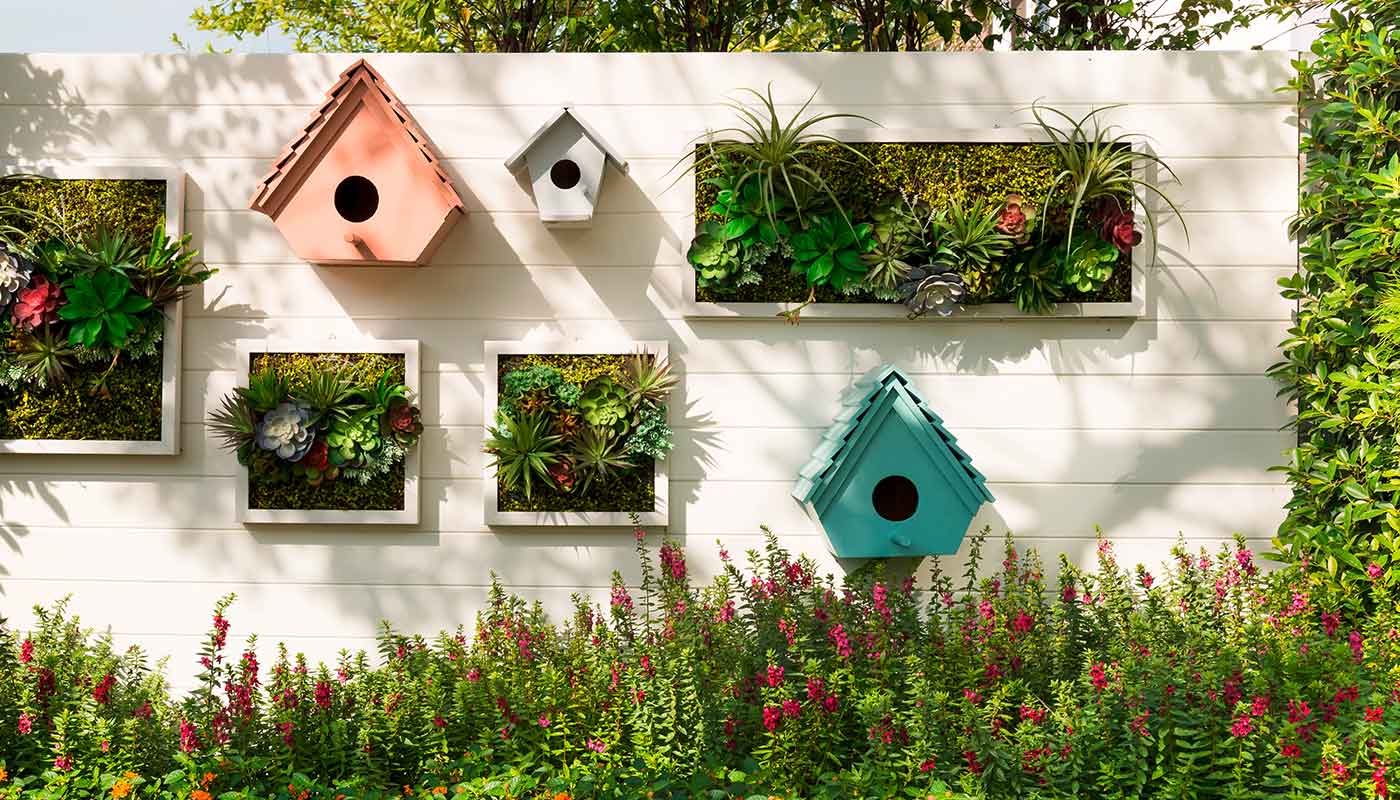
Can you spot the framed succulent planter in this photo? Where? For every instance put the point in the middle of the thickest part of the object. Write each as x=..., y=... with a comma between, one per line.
x=576, y=433
x=93, y=269
x=325, y=432
x=938, y=224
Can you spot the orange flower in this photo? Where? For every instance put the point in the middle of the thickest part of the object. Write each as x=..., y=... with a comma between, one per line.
x=3, y=774
x=439, y=790
x=131, y=776
x=562, y=796
x=208, y=779
x=200, y=794
x=121, y=788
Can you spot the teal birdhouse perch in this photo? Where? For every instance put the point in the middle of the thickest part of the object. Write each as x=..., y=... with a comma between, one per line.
x=888, y=479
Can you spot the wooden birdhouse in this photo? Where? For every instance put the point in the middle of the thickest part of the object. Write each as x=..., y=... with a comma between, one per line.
x=888, y=479
x=361, y=183
x=566, y=160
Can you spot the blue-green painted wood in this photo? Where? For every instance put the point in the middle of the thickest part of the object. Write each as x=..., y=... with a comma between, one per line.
x=884, y=428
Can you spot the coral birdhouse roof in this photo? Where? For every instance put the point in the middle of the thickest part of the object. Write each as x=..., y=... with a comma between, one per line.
x=861, y=406
x=342, y=101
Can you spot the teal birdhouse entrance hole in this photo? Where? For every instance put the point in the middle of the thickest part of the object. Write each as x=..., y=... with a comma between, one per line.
x=888, y=479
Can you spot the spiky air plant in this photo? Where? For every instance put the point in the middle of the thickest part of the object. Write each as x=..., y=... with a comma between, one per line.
x=235, y=424
x=597, y=455
x=168, y=268
x=775, y=153
x=524, y=451
x=1098, y=165
x=648, y=378
x=45, y=356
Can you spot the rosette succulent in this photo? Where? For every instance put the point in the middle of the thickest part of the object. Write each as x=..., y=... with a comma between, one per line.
x=605, y=404
x=932, y=289
x=1118, y=230
x=37, y=304
x=353, y=440
x=1013, y=219
x=1089, y=263
x=286, y=430
x=14, y=275
x=403, y=422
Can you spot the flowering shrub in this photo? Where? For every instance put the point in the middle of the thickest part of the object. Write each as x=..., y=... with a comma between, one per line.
x=1210, y=679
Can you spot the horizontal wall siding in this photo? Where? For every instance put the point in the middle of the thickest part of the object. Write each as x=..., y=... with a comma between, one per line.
x=1151, y=429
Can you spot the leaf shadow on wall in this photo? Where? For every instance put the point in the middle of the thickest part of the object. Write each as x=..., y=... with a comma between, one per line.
x=41, y=116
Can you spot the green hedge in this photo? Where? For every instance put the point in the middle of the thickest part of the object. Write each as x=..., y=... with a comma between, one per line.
x=934, y=171
x=131, y=207
x=385, y=493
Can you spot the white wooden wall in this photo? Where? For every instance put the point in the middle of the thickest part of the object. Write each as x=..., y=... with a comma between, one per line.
x=1148, y=428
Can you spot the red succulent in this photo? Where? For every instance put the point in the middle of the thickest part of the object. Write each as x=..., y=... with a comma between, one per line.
x=318, y=457
x=563, y=474
x=404, y=420
x=1118, y=230
x=37, y=304
x=1013, y=220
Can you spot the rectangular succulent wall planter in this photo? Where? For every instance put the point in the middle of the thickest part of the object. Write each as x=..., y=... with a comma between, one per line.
x=169, y=441
x=659, y=513
x=695, y=308
x=408, y=515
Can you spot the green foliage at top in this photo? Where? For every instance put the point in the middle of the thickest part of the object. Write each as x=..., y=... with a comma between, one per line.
x=541, y=384
x=1338, y=364
x=83, y=208
x=1212, y=678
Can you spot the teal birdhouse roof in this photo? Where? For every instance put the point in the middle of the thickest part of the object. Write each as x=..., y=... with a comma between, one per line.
x=867, y=404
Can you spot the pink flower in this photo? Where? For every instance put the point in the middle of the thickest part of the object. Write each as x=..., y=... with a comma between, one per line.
x=63, y=763
x=323, y=694
x=1290, y=750
x=1097, y=676
x=775, y=676
x=830, y=703
x=792, y=708
x=1147, y=580
x=144, y=712
x=26, y=723
x=985, y=609
x=596, y=746
x=673, y=559
x=1023, y=622
x=473, y=674
x=1298, y=710
x=1330, y=622
x=928, y=765
x=971, y=696
x=838, y=637
x=816, y=687
x=543, y=721
x=1242, y=726
x=621, y=599
x=189, y=740
x=726, y=612
x=26, y=652
x=1375, y=571
x=772, y=715
x=1354, y=642
x=439, y=722
x=286, y=729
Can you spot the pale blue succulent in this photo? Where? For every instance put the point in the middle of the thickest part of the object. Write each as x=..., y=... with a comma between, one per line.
x=14, y=275
x=286, y=431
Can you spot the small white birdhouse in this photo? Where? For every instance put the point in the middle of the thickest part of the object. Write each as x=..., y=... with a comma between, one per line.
x=566, y=161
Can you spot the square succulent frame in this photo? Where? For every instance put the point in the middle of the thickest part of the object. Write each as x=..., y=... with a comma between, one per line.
x=1135, y=307
x=169, y=442
x=409, y=514
x=493, y=516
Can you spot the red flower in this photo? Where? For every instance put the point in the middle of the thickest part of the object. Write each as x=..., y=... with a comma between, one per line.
x=1098, y=677
x=1375, y=714
x=26, y=652
x=102, y=692
x=772, y=715
x=1118, y=231
x=775, y=676
x=1290, y=750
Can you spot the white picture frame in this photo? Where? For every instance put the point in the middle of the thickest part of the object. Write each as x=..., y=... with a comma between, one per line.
x=409, y=514
x=169, y=442
x=659, y=516
x=1135, y=307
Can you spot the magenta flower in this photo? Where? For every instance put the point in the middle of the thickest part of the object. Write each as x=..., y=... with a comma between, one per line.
x=775, y=676
x=1374, y=570
x=189, y=740
x=26, y=723
x=596, y=746
x=544, y=721
x=439, y=722
x=63, y=763
x=772, y=715
x=323, y=694
x=1242, y=726
x=830, y=703
x=26, y=652
x=1098, y=677
x=792, y=708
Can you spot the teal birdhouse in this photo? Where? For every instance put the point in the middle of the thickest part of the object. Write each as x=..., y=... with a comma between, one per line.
x=888, y=479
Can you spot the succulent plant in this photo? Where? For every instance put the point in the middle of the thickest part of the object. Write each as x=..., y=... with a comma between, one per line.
x=1089, y=263
x=14, y=275
x=605, y=405
x=932, y=289
x=316, y=466
x=37, y=304
x=353, y=440
x=563, y=475
x=286, y=431
x=103, y=307
x=598, y=455
x=830, y=251
x=1013, y=219
x=46, y=358
x=523, y=451
x=403, y=422
x=648, y=378
x=1117, y=229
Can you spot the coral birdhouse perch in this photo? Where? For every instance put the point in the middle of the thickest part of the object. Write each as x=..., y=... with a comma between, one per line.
x=888, y=479
x=361, y=183
x=566, y=160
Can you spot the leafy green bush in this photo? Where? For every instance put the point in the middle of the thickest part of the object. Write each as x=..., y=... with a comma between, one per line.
x=1342, y=519
x=1211, y=679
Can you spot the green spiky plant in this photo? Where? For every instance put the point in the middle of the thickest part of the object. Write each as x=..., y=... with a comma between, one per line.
x=775, y=153
x=597, y=455
x=328, y=394
x=648, y=378
x=168, y=268
x=235, y=424
x=524, y=450
x=45, y=356
x=1098, y=164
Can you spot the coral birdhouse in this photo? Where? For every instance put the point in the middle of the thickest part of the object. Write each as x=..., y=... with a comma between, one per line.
x=566, y=161
x=888, y=479
x=361, y=183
